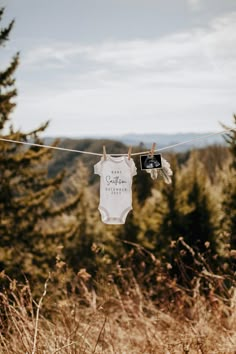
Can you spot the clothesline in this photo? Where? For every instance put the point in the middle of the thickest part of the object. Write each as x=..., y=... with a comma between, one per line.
x=132, y=154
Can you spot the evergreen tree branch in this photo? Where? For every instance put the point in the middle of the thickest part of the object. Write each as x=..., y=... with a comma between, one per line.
x=4, y=32
x=6, y=75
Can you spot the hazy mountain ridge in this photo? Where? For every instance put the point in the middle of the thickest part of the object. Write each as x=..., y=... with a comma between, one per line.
x=162, y=140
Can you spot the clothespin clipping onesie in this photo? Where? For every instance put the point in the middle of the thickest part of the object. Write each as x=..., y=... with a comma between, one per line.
x=156, y=165
x=104, y=152
x=129, y=152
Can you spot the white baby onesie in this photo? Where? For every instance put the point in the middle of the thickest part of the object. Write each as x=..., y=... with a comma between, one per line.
x=116, y=175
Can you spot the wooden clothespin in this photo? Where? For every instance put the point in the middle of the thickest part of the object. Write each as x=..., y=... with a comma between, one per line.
x=104, y=152
x=153, y=149
x=129, y=152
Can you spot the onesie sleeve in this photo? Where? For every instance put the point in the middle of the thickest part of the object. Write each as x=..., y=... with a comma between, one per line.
x=133, y=168
x=98, y=168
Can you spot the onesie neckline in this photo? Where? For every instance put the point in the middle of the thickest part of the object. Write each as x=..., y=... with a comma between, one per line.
x=116, y=158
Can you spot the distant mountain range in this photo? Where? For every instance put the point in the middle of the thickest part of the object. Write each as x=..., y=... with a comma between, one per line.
x=163, y=140
x=186, y=140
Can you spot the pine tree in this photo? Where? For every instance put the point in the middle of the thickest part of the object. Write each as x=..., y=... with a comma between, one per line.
x=26, y=193
x=7, y=82
x=229, y=202
x=171, y=226
x=199, y=219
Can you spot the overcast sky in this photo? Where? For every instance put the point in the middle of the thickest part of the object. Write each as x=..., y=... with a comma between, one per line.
x=110, y=67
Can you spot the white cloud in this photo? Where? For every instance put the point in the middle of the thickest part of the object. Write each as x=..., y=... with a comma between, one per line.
x=59, y=53
x=219, y=44
x=199, y=50
x=122, y=83
x=182, y=52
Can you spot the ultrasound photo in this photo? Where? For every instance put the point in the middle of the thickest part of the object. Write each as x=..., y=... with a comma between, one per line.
x=149, y=162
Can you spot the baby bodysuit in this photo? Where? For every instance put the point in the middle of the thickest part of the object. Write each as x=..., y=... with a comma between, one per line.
x=116, y=174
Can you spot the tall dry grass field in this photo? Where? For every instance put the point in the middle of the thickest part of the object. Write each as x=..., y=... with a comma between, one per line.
x=120, y=319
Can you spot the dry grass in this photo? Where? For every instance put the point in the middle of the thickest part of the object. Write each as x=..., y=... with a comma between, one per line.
x=120, y=320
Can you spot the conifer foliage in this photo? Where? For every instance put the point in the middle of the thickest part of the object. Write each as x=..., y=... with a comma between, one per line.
x=26, y=193
x=199, y=228
x=229, y=203
x=7, y=81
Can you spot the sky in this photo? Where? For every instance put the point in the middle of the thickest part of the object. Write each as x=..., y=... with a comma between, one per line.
x=113, y=67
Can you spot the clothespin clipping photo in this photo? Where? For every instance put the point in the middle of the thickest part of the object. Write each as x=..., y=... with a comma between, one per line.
x=156, y=166
x=129, y=152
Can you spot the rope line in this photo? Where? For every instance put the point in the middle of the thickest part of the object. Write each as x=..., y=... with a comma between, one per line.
x=133, y=154
x=49, y=147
